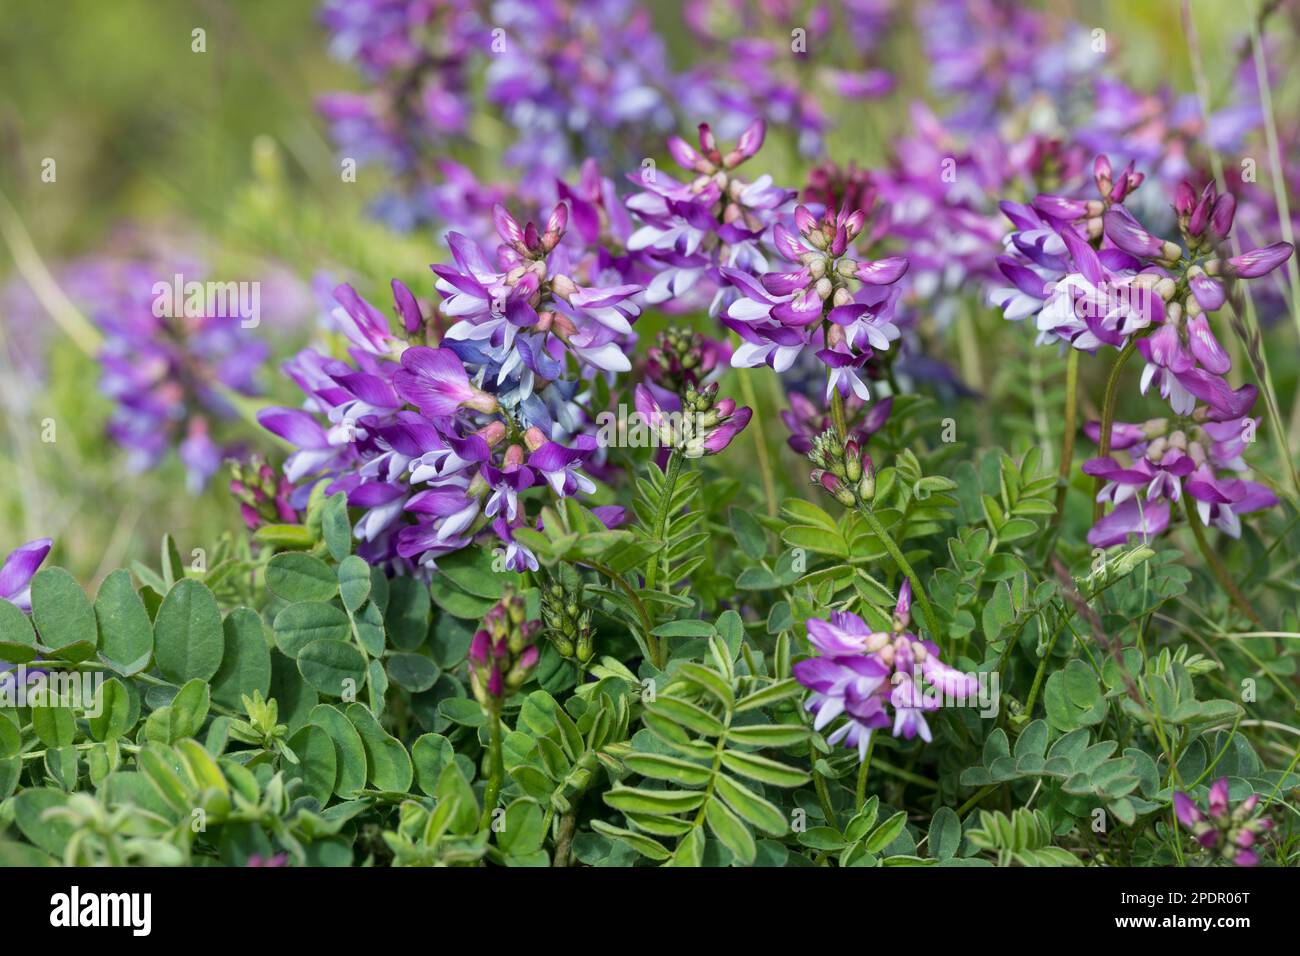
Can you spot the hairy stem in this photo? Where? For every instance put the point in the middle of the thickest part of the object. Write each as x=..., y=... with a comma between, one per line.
x=564, y=837
x=496, y=768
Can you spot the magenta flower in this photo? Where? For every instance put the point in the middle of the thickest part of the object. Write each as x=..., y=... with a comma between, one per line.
x=502, y=652
x=434, y=381
x=1232, y=836
x=1200, y=456
x=876, y=679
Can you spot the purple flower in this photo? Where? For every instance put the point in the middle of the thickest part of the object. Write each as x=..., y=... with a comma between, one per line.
x=1201, y=457
x=18, y=569
x=860, y=675
x=530, y=311
x=834, y=301
x=434, y=381
x=1229, y=835
x=688, y=231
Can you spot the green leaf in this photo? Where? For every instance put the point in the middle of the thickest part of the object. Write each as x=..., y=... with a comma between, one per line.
x=471, y=571
x=708, y=680
x=454, y=790
x=317, y=765
x=653, y=802
x=646, y=846
x=1072, y=697
x=51, y=834
x=1033, y=740
x=822, y=838
x=772, y=694
x=388, y=766
x=60, y=611
x=245, y=661
x=354, y=581
x=412, y=672
x=17, y=639
x=886, y=833
x=748, y=532
x=430, y=754
x=188, y=640
x=690, y=852
x=730, y=829
x=301, y=624
x=368, y=625
x=11, y=741
x=768, y=735
x=687, y=628
x=329, y=665
x=659, y=767
x=753, y=808
x=55, y=726
x=125, y=631
x=114, y=706
x=945, y=834
x=456, y=602
x=763, y=769
x=335, y=526
x=523, y=832
x=689, y=715
x=294, y=577
x=191, y=705
x=349, y=751
x=407, y=617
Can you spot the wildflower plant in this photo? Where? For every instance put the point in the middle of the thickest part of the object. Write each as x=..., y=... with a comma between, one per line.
x=671, y=478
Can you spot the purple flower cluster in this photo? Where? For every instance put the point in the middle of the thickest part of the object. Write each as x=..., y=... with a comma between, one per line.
x=689, y=232
x=1095, y=277
x=503, y=651
x=876, y=679
x=1233, y=835
x=833, y=302
x=437, y=445
x=570, y=80
x=777, y=62
x=169, y=362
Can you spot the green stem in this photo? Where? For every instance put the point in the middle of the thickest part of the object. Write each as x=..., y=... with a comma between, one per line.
x=652, y=644
x=1042, y=669
x=860, y=793
x=918, y=592
x=760, y=442
x=496, y=769
x=1220, y=572
x=969, y=805
x=824, y=797
x=674, y=470
x=1108, y=411
x=1067, y=443
x=564, y=838
x=837, y=414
